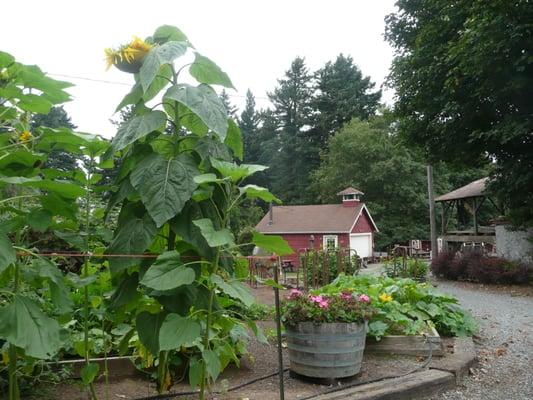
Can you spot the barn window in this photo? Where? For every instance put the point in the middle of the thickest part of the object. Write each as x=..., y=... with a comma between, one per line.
x=330, y=242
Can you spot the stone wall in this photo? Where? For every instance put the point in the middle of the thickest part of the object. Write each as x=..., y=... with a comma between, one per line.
x=514, y=245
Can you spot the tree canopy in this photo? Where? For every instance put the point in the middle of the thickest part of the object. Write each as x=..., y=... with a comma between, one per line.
x=463, y=75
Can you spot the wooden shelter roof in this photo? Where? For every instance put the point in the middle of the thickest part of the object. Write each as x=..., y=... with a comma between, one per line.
x=473, y=189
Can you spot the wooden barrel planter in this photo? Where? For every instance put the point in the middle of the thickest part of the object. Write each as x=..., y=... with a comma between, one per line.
x=328, y=350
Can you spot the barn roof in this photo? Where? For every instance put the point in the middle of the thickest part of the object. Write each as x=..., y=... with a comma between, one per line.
x=473, y=189
x=325, y=218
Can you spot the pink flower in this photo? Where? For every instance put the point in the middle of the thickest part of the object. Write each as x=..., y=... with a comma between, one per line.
x=321, y=301
x=316, y=299
x=294, y=294
x=346, y=295
x=323, y=304
x=364, y=298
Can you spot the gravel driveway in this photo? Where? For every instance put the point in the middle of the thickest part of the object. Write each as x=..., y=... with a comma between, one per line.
x=504, y=344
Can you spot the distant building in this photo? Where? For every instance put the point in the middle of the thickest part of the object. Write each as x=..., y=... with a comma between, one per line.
x=346, y=225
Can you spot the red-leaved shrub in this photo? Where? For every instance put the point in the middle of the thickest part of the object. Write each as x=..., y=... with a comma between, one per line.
x=440, y=265
x=474, y=266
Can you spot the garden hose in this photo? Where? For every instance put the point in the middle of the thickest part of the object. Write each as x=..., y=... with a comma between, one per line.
x=192, y=392
x=332, y=390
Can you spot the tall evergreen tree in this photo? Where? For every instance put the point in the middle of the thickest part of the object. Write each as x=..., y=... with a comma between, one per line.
x=343, y=93
x=232, y=110
x=292, y=109
x=249, y=123
x=57, y=118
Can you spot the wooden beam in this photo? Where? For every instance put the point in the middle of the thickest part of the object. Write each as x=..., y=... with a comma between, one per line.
x=470, y=238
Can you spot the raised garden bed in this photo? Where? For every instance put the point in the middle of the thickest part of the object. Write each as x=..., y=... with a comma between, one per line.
x=418, y=345
x=118, y=367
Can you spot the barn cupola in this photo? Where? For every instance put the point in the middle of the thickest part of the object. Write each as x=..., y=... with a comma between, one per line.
x=350, y=197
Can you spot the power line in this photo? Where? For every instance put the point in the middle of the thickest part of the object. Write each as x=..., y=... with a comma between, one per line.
x=83, y=78
x=92, y=79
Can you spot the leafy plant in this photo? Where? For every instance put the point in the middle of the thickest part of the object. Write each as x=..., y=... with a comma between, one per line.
x=37, y=198
x=323, y=266
x=176, y=190
x=343, y=307
x=413, y=268
x=406, y=307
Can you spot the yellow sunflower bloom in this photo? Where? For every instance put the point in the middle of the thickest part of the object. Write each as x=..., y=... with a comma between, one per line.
x=25, y=136
x=385, y=298
x=129, y=57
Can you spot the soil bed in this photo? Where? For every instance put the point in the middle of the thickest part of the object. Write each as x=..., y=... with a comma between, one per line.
x=261, y=361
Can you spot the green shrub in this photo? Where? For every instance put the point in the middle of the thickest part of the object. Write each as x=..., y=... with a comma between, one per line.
x=414, y=268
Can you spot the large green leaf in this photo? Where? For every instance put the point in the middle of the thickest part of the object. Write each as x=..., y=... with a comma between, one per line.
x=148, y=327
x=272, y=243
x=133, y=97
x=20, y=162
x=195, y=371
x=168, y=272
x=64, y=189
x=158, y=56
x=34, y=103
x=6, y=59
x=181, y=299
x=126, y=292
x=190, y=233
x=234, y=289
x=234, y=139
x=177, y=332
x=64, y=139
x=138, y=127
x=58, y=290
x=7, y=253
x=57, y=205
x=212, y=363
x=206, y=71
x=258, y=192
x=165, y=185
x=214, y=238
x=25, y=326
x=204, y=102
x=135, y=233
x=89, y=372
x=40, y=219
x=166, y=33
x=162, y=79
x=234, y=171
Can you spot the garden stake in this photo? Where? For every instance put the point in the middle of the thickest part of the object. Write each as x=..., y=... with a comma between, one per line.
x=278, y=331
x=86, y=274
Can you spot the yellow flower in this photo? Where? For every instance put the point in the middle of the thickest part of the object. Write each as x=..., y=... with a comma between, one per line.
x=385, y=298
x=25, y=136
x=128, y=57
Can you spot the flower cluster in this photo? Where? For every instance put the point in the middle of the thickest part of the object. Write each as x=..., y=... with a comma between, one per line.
x=25, y=136
x=318, y=308
x=385, y=298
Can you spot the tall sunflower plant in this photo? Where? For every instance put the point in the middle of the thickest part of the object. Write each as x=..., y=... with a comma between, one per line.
x=38, y=202
x=179, y=180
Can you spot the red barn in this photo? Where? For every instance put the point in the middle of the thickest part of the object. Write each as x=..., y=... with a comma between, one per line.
x=321, y=226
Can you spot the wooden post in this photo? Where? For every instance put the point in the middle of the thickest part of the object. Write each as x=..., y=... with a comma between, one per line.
x=278, y=332
x=432, y=222
x=474, y=200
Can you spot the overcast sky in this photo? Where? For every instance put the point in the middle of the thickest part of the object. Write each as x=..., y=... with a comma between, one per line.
x=253, y=41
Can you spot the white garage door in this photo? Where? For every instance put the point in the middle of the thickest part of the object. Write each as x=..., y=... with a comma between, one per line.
x=362, y=244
